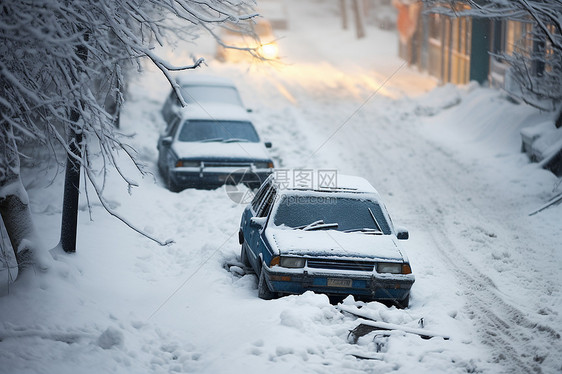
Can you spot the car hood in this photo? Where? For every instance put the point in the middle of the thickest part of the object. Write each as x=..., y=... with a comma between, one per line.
x=334, y=243
x=236, y=150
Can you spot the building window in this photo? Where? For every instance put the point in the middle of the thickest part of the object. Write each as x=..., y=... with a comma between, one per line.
x=435, y=21
x=519, y=38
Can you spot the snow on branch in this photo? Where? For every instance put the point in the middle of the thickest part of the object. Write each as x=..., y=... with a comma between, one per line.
x=47, y=82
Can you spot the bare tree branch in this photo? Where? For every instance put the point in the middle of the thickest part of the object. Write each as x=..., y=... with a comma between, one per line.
x=45, y=77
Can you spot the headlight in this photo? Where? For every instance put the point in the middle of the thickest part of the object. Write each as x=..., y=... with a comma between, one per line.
x=292, y=262
x=187, y=164
x=386, y=267
x=269, y=51
x=264, y=165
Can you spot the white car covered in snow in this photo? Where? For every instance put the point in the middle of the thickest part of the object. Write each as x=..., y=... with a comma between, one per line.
x=200, y=90
x=338, y=240
x=245, y=45
x=207, y=147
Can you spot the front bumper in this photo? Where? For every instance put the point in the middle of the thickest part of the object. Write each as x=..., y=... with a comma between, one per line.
x=370, y=286
x=213, y=177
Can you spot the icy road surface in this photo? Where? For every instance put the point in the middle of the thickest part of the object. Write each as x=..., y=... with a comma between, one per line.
x=446, y=162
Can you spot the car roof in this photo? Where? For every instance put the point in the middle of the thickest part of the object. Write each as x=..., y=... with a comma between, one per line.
x=191, y=78
x=214, y=111
x=323, y=180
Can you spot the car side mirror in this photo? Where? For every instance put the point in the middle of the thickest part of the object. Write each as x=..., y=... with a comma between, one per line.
x=402, y=233
x=258, y=222
x=268, y=144
x=167, y=141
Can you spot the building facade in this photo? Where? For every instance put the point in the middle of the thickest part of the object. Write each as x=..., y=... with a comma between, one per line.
x=455, y=48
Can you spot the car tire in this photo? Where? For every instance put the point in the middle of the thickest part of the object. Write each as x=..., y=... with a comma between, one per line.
x=173, y=187
x=244, y=257
x=403, y=304
x=263, y=289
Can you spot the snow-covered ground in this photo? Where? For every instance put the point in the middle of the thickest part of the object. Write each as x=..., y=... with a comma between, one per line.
x=446, y=160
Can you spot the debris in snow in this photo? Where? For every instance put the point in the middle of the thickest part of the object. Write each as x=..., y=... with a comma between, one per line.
x=360, y=331
x=237, y=268
x=363, y=356
x=370, y=325
x=555, y=200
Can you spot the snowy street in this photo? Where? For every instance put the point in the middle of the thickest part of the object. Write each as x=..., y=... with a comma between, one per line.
x=445, y=159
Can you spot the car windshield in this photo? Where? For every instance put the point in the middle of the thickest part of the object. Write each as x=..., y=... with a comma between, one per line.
x=214, y=94
x=338, y=213
x=225, y=131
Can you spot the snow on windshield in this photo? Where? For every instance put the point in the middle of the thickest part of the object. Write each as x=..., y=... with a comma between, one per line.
x=350, y=214
x=201, y=130
x=213, y=94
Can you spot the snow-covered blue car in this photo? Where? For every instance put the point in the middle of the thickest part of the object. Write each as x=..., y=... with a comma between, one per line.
x=337, y=240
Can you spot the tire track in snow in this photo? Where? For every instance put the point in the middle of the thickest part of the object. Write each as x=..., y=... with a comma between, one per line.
x=501, y=325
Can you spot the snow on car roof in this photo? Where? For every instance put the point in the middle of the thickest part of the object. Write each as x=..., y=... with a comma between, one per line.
x=192, y=78
x=322, y=180
x=214, y=111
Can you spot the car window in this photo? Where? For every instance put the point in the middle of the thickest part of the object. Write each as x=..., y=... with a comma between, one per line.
x=176, y=98
x=257, y=200
x=199, y=130
x=214, y=94
x=167, y=110
x=172, y=127
x=349, y=213
x=267, y=202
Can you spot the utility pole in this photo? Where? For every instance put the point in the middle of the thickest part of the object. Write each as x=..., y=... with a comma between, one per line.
x=69, y=222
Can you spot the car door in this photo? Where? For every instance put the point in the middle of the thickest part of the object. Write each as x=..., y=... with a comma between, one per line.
x=247, y=230
x=263, y=248
x=253, y=234
x=164, y=146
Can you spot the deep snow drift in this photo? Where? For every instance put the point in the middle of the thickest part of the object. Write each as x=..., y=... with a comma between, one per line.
x=447, y=162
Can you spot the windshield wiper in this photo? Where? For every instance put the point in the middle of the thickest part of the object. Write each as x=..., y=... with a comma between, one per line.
x=366, y=230
x=322, y=226
x=317, y=225
x=211, y=140
x=374, y=219
x=235, y=140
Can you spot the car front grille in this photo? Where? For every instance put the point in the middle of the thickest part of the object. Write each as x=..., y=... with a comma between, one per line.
x=218, y=164
x=341, y=264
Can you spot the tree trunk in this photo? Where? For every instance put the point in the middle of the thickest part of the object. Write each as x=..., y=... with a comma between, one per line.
x=360, y=29
x=19, y=226
x=343, y=10
x=14, y=204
